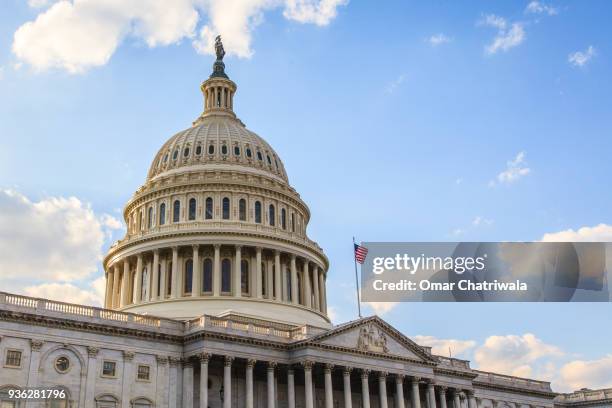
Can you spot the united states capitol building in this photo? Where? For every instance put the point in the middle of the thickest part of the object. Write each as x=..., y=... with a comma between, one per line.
x=216, y=297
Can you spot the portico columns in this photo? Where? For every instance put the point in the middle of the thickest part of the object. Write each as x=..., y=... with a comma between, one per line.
x=382, y=389
x=290, y=388
x=196, y=279
x=365, y=388
x=347, y=387
x=217, y=271
x=271, y=367
x=137, y=296
x=307, y=289
x=294, y=284
x=399, y=391
x=471, y=400
x=204, y=358
x=308, y=384
x=258, y=286
x=175, y=278
x=329, y=391
x=125, y=283
x=237, y=281
x=154, y=275
x=442, y=397
x=277, y=276
x=456, y=398
x=227, y=382
x=187, y=384
x=431, y=390
x=416, y=398
x=249, y=383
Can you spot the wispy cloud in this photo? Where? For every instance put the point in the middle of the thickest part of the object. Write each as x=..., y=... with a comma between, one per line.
x=597, y=233
x=396, y=83
x=515, y=169
x=537, y=7
x=439, y=39
x=509, y=35
x=581, y=58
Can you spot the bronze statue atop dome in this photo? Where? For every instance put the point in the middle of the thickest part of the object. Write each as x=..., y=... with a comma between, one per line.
x=219, y=50
x=219, y=66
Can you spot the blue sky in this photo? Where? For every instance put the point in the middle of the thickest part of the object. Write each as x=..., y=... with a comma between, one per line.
x=396, y=121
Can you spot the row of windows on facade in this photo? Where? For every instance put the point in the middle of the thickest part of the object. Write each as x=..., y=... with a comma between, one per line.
x=225, y=213
x=63, y=364
x=224, y=152
x=226, y=279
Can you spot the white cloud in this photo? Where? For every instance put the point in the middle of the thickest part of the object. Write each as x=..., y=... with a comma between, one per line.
x=438, y=39
x=581, y=58
x=40, y=3
x=442, y=347
x=1, y=73
x=66, y=292
x=381, y=308
x=592, y=374
x=508, y=35
x=598, y=233
x=396, y=83
x=55, y=239
x=480, y=221
x=536, y=7
x=515, y=355
x=515, y=170
x=76, y=35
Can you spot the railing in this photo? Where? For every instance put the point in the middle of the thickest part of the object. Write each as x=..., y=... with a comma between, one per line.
x=237, y=325
x=508, y=380
x=454, y=362
x=41, y=306
x=587, y=395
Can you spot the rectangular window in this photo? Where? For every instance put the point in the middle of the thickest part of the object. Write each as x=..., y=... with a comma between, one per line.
x=13, y=358
x=143, y=372
x=109, y=369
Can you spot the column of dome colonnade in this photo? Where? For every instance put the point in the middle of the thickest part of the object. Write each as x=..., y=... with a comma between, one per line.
x=217, y=271
x=313, y=378
x=217, y=223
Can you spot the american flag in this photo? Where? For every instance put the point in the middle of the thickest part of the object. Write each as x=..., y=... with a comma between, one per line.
x=360, y=253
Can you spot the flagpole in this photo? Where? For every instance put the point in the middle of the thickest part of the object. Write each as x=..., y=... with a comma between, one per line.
x=356, y=280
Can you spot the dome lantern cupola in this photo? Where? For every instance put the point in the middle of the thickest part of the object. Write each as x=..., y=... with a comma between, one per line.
x=218, y=90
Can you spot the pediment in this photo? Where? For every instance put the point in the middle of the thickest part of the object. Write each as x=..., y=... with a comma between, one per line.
x=372, y=335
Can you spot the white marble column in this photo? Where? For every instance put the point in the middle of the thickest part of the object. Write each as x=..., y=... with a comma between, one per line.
x=365, y=388
x=277, y=276
x=217, y=271
x=382, y=389
x=442, y=391
x=92, y=373
x=258, y=277
x=237, y=281
x=162, y=380
x=307, y=288
x=137, y=296
x=471, y=400
x=154, y=276
x=308, y=384
x=399, y=391
x=329, y=390
x=116, y=289
x=175, y=290
x=172, y=383
x=187, y=384
x=269, y=280
x=346, y=375
x=204, y=359
x=108, y=296
x=322, y=292
x=416, y=397
x=163, y=288
x=227, y=382
x=294, y=283
x=249, y=383
x=284, y=294
x=35, y=346
x=270, y=384
x=431, y=390
x=315, y=284
x=125, y=283
x=196, y=279
x=290, y=388
x=456, y=398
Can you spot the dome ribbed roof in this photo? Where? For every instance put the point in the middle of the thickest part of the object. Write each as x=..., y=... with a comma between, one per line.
x=217, y=142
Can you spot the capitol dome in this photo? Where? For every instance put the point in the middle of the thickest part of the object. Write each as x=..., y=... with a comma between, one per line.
x=216, y=229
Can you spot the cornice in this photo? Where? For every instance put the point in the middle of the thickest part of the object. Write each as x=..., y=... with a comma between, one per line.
x=516, y=390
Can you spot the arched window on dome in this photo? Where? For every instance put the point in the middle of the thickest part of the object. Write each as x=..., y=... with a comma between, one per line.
x=284, y=219
x=272, y=215
x=237, y=150
x=226, y=276
x=176, y=212
x=226, y=208
x=207, y=276
x=192, y=209
x=198, y=150
x=224, y=149
x=175, y=155
x=244, y=277
x=188, y=277
x=186, y=152
x=258, y=212
x=242, y=209
x=249, y=153
x=209, y=208
x=211, y=149
x=162, y=213
x=269, y=160
x=259, y=156
x=150, y=218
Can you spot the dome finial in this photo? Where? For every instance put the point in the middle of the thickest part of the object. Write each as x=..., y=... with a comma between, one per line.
x=219, y=66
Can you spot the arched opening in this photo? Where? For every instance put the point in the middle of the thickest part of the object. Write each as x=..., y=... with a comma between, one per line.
x=226, y=276
x=209, y=208
x=188, y=277
x=257, y=212
x=244, y=277
x=106, y=401
x=162, y=214
x=242, y=209
x=141, y=403
x=176, y=212
x=226, y=208
x=207, y=276
x=284, y=219
x=272, y=215
x=150, y=218
x=192, y=209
